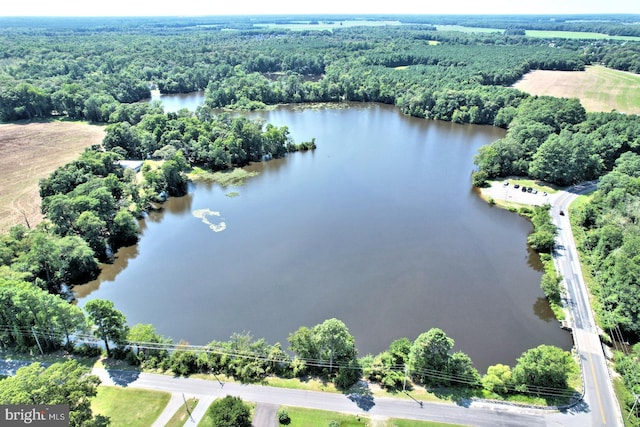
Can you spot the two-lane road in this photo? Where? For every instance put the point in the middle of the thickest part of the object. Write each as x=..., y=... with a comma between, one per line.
x=598, y=390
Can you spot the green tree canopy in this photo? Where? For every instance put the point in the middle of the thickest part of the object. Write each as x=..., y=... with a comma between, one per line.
x=67, y=383
x=429, y=356
x=544, y=366
x=111, y=324
x=230, y=411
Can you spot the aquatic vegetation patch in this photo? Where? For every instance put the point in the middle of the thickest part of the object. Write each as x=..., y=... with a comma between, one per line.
x=206, y=214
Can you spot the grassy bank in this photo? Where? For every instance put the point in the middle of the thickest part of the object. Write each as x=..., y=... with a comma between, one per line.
x=129, y=406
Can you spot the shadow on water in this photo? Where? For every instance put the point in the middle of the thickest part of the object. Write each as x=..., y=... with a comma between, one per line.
x=108, y=272
x=543, y=311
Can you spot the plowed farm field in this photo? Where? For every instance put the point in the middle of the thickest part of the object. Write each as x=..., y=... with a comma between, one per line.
x=30, y=152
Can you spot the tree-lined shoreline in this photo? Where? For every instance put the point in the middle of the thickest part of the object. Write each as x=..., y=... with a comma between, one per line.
x=91, y=204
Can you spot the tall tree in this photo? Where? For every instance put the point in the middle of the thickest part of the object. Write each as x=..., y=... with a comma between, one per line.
x=334, y=342
x=111, y=324
x=429, y=356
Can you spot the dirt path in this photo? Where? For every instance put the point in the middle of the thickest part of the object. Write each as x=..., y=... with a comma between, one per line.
x=30, y=152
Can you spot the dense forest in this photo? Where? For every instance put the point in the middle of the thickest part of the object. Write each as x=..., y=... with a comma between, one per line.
x=99, y=70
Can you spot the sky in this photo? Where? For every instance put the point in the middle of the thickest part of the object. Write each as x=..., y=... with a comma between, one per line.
x=261, y=7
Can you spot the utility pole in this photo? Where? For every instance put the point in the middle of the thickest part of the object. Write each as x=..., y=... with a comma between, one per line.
x=33, y=331
x=404, y=384
x=636, y=397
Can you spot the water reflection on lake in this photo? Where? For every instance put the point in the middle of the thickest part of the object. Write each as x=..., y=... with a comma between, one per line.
x=378, y=227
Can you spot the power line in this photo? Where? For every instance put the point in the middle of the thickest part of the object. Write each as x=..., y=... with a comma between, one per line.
x=87, y=338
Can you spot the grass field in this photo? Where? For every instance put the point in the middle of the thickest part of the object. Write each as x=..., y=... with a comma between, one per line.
x=30, y=152
x=129, y=406
x=598, y=88
x=576, y=35
x=328, y=25
x=301, y=417
x=464, y=29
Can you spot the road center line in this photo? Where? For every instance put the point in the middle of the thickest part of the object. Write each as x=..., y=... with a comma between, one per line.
x=595, y=382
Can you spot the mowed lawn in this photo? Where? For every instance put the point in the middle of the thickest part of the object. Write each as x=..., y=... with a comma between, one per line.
x=129, y=406
x=317, y=418
x=599, y=89
x=30, y=151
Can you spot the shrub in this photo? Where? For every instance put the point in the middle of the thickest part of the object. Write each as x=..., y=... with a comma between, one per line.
x=283, y=416
x=230, y=411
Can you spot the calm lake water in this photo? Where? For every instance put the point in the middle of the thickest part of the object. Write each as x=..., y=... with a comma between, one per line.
x=379, y=227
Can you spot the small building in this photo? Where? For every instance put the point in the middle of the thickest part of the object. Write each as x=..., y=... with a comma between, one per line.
x=135, y=165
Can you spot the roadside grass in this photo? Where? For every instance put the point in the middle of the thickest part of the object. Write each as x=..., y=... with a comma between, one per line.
x=624, y=395
x=420, y=394
x=113, y=364
x=311, y=384
x=129, y=406
x=396, y=422
x=576, y=35
x=303, y=417
x=180, y=417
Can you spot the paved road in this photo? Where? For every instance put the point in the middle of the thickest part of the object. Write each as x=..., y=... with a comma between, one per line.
x=475, y=414
x=599, y=396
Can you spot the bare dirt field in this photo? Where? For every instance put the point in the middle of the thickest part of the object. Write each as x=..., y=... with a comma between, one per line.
x=30, y=152
x=599, y=89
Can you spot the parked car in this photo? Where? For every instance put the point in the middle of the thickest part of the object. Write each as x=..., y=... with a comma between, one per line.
x=534, y=191
x=505, y=183
x=529, y=189
x=516, y=185
x=524, y=189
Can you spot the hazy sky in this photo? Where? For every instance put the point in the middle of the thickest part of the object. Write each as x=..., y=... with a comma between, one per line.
x=257, y=7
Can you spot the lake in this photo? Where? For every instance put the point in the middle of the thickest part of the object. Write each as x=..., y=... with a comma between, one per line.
x=379, y=227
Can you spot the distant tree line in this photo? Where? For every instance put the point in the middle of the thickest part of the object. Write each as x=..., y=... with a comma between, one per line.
x=89, y=74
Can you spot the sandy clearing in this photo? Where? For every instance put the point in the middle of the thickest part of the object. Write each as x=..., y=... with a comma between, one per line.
x=30, y=152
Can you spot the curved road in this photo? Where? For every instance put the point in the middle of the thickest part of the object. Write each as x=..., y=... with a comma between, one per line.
x=598, y=390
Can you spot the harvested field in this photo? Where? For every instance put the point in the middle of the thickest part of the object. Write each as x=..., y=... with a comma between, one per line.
x=31, y=151
x=599, y=89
